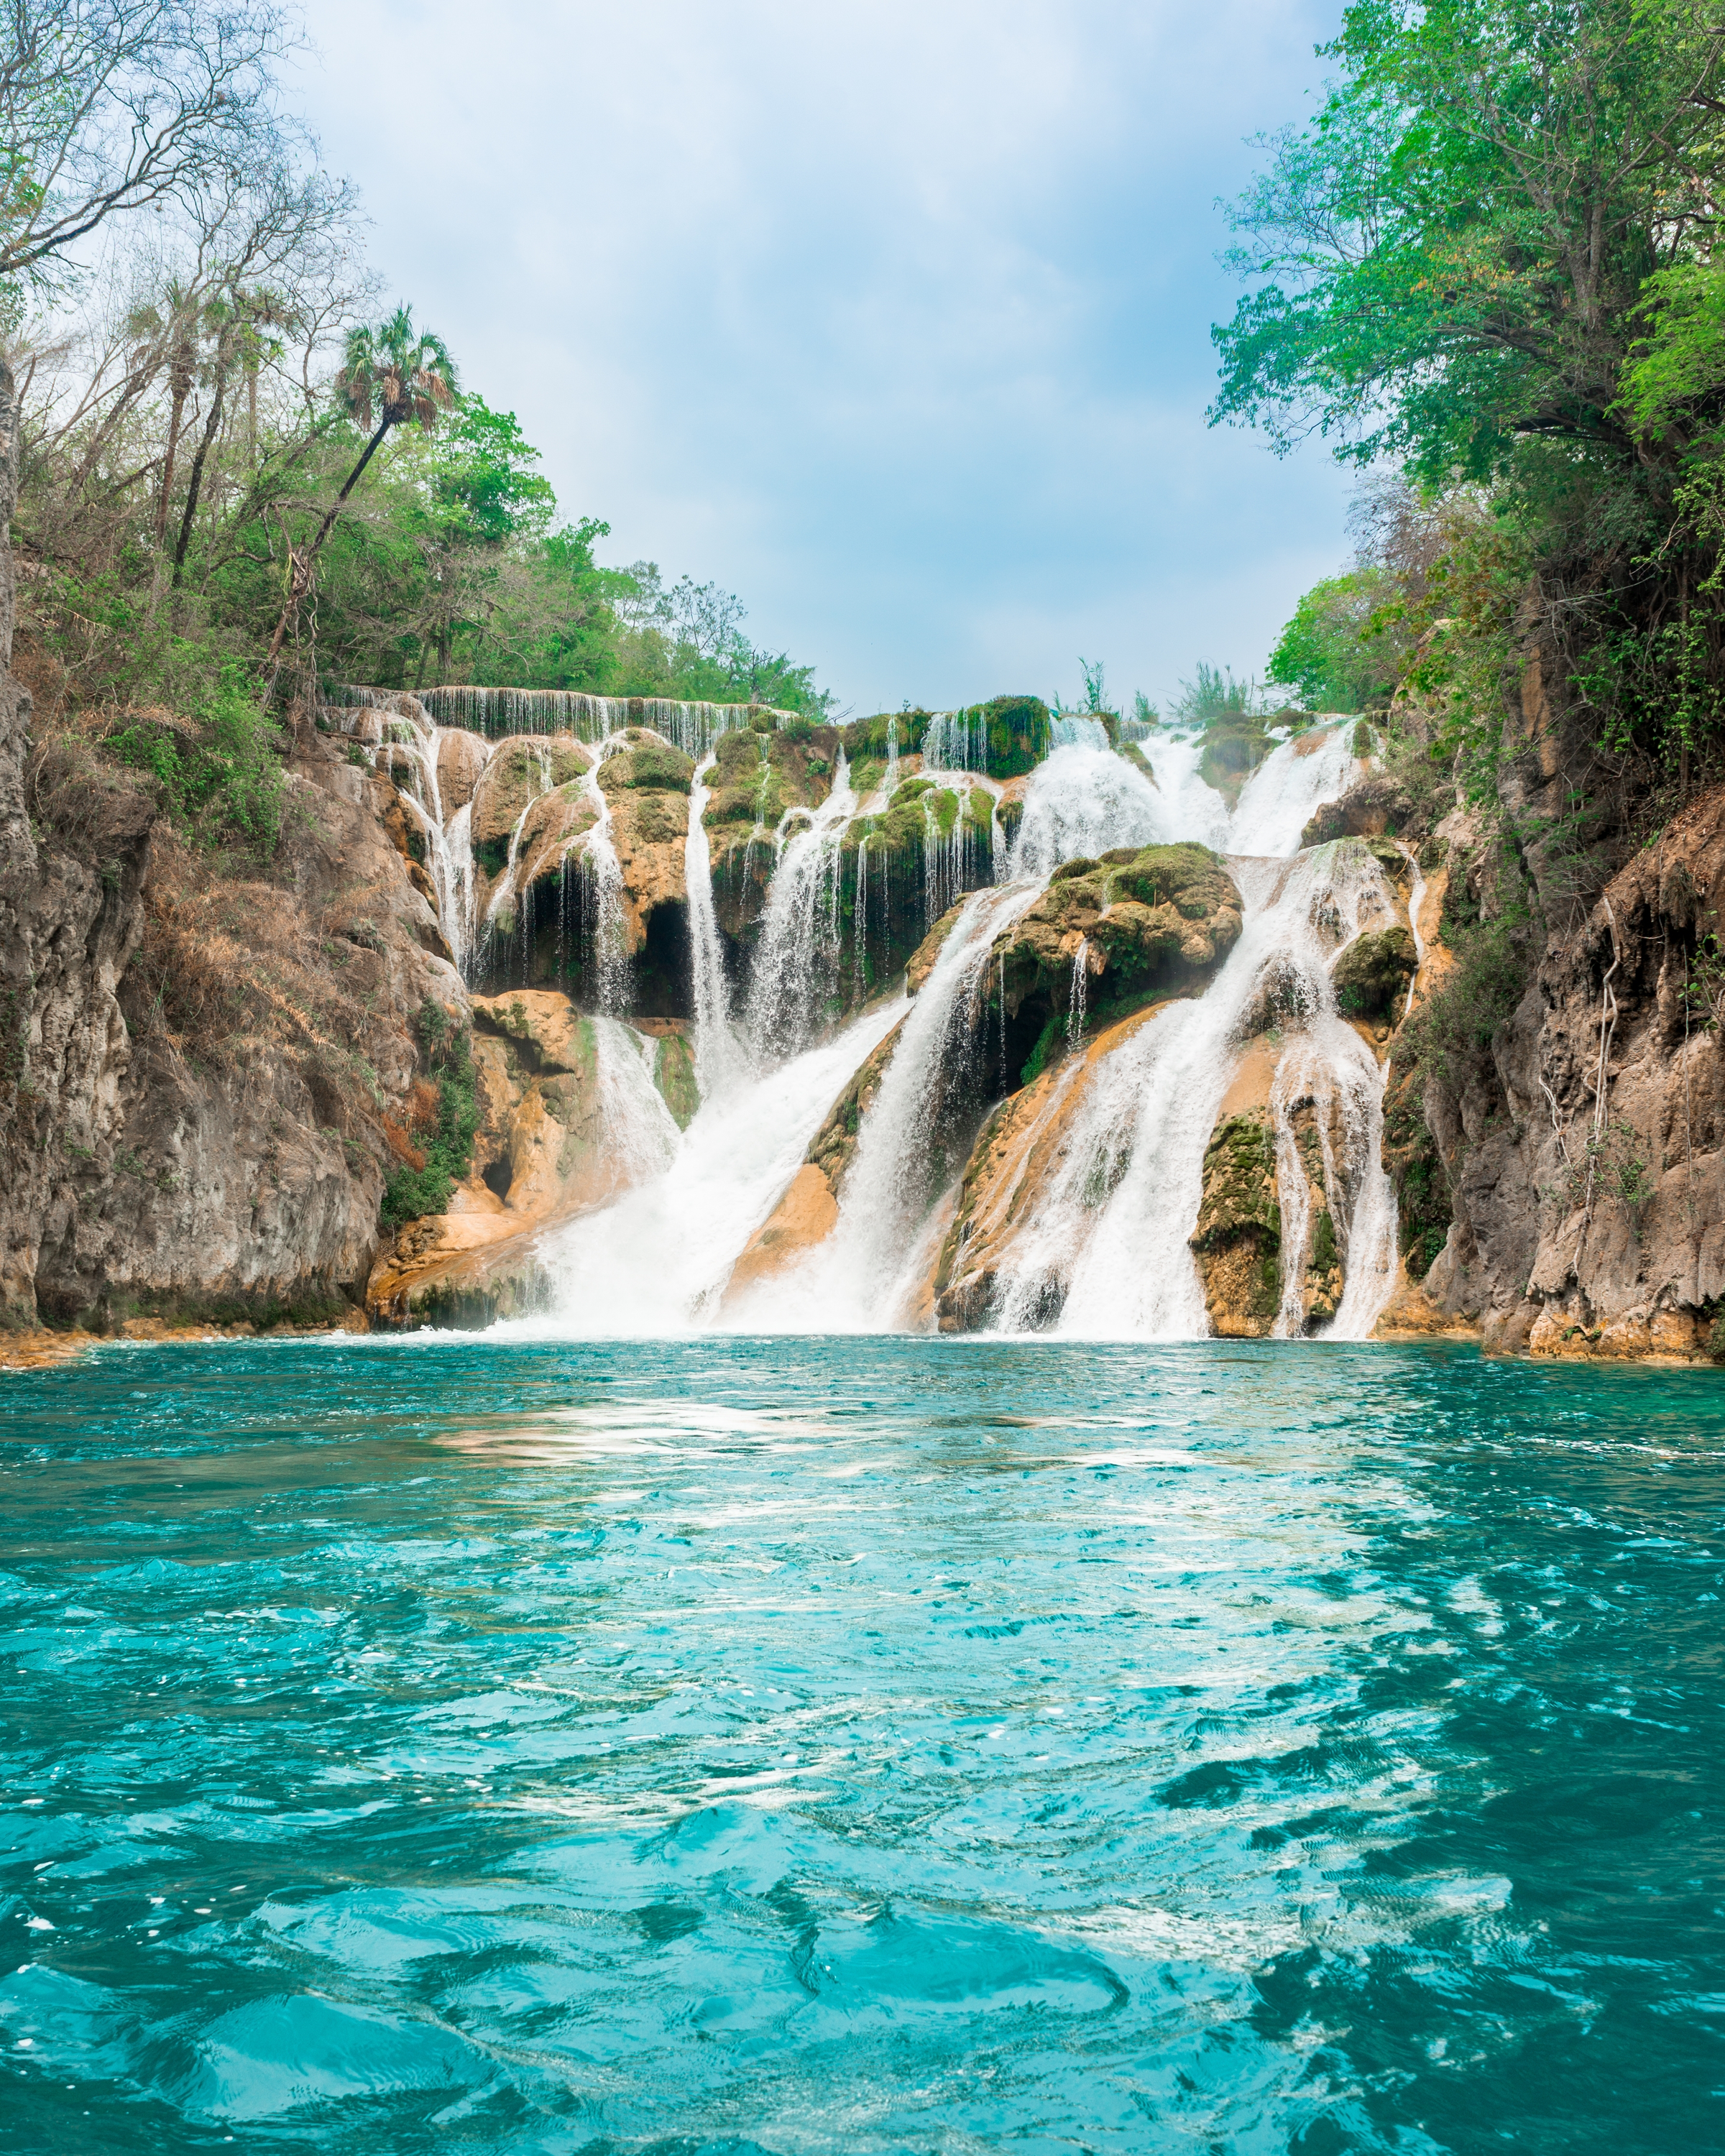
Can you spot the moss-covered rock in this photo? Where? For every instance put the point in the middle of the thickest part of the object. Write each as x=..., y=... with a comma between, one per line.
x=1150, y=922
x=517, y=773
x=1371, y=973
x=648, y=762
x=673, y=1075
x=1237, y=1241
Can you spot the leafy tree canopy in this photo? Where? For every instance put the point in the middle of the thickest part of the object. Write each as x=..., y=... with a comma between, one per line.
x=1457, y=251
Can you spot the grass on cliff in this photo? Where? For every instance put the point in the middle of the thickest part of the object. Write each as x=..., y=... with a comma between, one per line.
x=423, y=1184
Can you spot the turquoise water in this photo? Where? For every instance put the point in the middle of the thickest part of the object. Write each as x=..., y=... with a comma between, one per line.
x=861, y=1746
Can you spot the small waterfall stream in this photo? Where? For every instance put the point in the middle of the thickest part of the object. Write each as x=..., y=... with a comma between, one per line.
x=856, y=1279
x=719, y=1060
x=796, y=963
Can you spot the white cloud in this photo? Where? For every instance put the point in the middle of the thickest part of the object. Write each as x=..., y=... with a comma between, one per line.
x=893, y=318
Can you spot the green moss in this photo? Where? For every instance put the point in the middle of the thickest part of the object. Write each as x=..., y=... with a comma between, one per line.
x=410, y=1194
x=1372, y=974
x=673, y=1075
x=1047, y=1042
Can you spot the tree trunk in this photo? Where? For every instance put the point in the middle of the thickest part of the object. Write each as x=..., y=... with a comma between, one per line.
x=297, y=589
x=194, y=484
x=176, y=410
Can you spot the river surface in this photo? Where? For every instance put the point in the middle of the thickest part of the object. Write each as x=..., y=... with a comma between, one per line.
x=827, y=1748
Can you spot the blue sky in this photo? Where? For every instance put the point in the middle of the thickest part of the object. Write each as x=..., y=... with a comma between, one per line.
x=893, y=318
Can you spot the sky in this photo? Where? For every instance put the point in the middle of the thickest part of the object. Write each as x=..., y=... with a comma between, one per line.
x=891, y=316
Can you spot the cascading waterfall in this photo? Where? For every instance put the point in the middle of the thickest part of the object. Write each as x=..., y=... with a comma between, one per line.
x=1105, y=1255
x=719, y=1061
x=602, y=897
x=1073, y=730
x=694, y=727
x=407, y=735
x=658, y=1260
x=956, y=741
x=503, y=895
x=1099, y=1246
x=1083, y=801
x=795, y=973
x=856, y=1278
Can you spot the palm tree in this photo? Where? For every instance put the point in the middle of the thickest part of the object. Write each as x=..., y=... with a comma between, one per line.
x=394, y=373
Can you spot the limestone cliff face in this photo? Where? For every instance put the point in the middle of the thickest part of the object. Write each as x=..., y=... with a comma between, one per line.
x=1576, y=1157
x=204, y=1070
x=544, y=1154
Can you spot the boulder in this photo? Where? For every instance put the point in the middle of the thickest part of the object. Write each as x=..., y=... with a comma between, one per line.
x=1148, y=921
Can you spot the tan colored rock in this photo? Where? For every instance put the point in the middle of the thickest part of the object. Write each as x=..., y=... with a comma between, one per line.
x=461, y=756
x=519, y=769
x=805, y=1216
x=541, y=1157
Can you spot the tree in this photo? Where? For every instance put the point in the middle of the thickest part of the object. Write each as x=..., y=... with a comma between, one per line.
x=398, y=375
x=1453, y=255
x=1328, y=652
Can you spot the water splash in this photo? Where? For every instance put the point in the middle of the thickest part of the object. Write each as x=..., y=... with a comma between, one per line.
x=658, y=1261
x=795, y=976
x=858, y=1277
x=1083, y=801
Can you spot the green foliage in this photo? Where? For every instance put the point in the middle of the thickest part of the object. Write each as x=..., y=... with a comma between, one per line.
x=410, y=1194
x=223, y=780
x=1332, y=653
x=1450, y=1032
x=1213, y=693
x=1451, y=255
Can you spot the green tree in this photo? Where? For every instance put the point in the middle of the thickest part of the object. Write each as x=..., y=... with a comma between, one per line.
x=1329, y=653
x=1453, y=256
x=395, y=374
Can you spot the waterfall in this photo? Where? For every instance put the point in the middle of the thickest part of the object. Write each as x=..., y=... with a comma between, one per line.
x=1278, y=800
x=956, y=741
x=658, y=1259
x=858, y=1278
x=602, y=897
x=1073, y=730
x=407, y=734
x=947, y=858
x=1083, y=801
x=795, y=973
x=1105, y=1252
x=718, y=1062
x=1075, y=997
x=1096, y=1244
x=641, y=1133
x=503, y=892
x=694, y=727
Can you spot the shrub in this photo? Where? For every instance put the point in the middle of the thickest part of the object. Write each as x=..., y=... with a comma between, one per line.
x=222, y=777
x=411, y=1193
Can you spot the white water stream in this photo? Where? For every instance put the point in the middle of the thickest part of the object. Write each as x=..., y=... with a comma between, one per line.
x=801, y=931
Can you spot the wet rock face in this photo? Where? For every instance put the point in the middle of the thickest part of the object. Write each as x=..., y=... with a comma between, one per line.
x=1238, y=1238
x=1144, y=922
x=518, y=771
x=1373, y=973
x=543, y=1152
x=759, y=778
